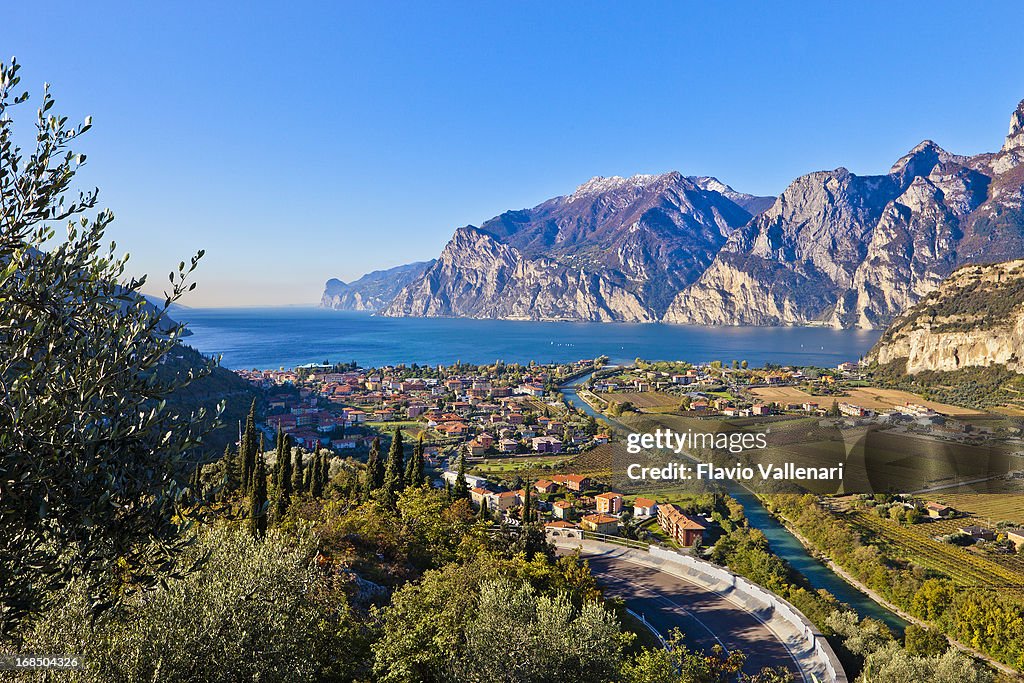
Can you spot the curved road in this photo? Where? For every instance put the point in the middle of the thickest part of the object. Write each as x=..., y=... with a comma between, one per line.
x=707, y=618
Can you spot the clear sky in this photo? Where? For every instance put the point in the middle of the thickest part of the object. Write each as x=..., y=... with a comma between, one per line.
x=299, y=141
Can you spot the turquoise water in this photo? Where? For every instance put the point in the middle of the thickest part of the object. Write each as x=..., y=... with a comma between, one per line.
x=275, y=337
x=782, y=542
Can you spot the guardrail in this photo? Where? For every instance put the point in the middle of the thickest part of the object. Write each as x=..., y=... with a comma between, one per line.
x=643, y=620
x=720, y=580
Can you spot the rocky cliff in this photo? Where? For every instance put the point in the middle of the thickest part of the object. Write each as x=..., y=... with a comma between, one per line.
x=843, y=250
x=833, y=249
x=372, y=291
x=616, y=249
x=975, y=318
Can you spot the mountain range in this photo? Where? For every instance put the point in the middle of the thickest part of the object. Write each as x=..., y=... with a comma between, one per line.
x=833, y=249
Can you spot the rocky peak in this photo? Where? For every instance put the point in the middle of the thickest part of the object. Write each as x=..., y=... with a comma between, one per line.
x=1015, y=138
x=601, y=185
x=920, y=161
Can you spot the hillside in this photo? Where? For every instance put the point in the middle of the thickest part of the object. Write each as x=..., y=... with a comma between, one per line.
x=834, y=248
x=373, y=290
x=974, y=319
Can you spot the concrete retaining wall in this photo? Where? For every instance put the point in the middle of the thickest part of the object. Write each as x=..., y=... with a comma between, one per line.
x=758, y=601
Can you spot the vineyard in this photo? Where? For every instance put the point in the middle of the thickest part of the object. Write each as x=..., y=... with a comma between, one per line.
x=1003, y=500
x=915, y=543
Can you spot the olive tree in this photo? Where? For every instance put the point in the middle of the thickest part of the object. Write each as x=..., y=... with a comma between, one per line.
x=94, y=467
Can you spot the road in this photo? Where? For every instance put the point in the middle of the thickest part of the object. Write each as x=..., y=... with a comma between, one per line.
x=707, y=618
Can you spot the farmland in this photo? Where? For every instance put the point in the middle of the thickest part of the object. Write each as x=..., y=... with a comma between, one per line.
x=965, y=566
x=871, y=398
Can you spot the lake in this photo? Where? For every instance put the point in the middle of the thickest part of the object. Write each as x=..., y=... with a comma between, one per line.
x=270, y=338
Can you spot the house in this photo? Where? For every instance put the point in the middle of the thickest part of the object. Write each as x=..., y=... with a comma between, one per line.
x=478, y=495
x=545, y=486
x=503, y=500
x=546, y=444
x=978, y=533
x=681, y=528
x=1016, y=536
x=610, y=503
x=573, y=482
x=561, y=509
x=475, y=447
x=601, y=524
x=508, y=445
x=644, y=507
x=472, y=481
x=939, y=511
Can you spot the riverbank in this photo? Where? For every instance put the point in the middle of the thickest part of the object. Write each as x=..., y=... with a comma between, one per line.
x=873, y=595
x=781, y=540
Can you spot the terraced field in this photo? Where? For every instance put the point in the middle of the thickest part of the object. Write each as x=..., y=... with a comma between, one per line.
x=915, y=543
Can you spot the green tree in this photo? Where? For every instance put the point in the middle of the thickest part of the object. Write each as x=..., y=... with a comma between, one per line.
x=298, y=473
x=283, y=468
x=94, y=464
x=230, y=480
x=374, y=467
x=394, y=470
x=258, y=499
x=278, y=620
x=316, y=485
x=250, y=446
x=415, y=469
x=924, y=641
x=460, y=490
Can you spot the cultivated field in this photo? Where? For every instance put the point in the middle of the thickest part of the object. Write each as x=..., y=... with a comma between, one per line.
x=965, y=566
x=1003, y=502
x=867, y=397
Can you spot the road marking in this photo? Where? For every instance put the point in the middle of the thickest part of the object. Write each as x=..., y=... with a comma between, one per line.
x=785, y=646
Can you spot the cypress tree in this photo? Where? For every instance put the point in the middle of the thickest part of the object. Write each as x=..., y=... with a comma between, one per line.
x=374, y=467
x=421, y=463
x=313, y=476
x=526, y=505
x=285, y=468
x=409, y=476
x=307, y=476
x=258, y=500
x=325, y=474
x=230, y=464
x=484, y=512
x=298, y=474
x=283, y=471
x=393, y=472
x=461, y=489
x=248, y=447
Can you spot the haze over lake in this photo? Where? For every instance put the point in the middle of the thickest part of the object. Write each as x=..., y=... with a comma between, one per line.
x=275, y=337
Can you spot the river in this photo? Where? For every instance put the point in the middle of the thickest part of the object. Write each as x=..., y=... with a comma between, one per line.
x=782, y=542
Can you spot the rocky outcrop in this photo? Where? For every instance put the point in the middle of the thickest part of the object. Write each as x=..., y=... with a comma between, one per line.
x=975, y=318
x=842, y=250
x=616, y=249
x=477, y=276
x=372, y=291
x=833, y=249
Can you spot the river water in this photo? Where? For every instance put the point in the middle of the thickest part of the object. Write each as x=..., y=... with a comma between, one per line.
x=782, y=542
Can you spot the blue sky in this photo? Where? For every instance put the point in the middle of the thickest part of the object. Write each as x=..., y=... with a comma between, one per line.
x=299, y=141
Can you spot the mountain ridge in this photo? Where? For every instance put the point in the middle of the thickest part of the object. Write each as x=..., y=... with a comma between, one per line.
x=834, y=248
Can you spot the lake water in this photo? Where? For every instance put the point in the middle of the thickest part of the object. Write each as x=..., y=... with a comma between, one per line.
x=275, y=337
